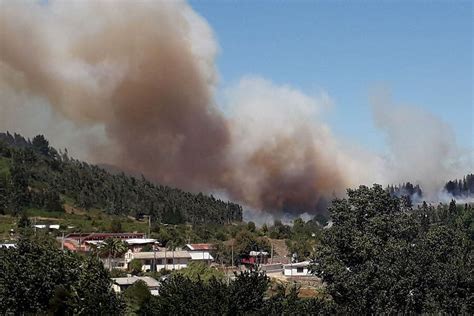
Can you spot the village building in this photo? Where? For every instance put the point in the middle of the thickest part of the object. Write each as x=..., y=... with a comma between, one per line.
x=82, y=242
x=157, y=260
x=255, y=257
x=200, y=252
x=7, y=245
x=121, y=284
x=133, y=244
x=297, y=269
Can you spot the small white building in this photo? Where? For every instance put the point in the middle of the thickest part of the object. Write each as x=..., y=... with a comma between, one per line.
x=297, y=269
x=167, y=259
x=121, y=284
x=200, y=252
x=7, y=245
x=134, y=244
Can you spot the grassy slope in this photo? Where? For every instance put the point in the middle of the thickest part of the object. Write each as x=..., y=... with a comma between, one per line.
x=81, y=220
x=92, y=221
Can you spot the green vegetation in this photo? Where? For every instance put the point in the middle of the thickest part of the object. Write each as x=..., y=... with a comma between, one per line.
x=245, y=295
x=135, y=267
x=382, y=256
x=136, y=296
x=196, y=271
x=37, y=278
x=4, y=167
x=42, y=178
x=111, y=249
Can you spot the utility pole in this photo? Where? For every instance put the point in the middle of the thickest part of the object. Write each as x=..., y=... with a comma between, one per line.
x=62, y=242
x=149, y=226
x=271, y=255
x=232, y=254
x=153, y=269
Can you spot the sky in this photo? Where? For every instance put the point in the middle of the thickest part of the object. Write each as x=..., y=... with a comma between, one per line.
x=422, y=51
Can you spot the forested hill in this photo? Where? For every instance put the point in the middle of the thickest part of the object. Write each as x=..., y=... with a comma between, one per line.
x=35, y=175
x=461, y=187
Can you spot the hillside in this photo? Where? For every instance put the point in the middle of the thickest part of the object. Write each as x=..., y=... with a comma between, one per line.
x=34, y=175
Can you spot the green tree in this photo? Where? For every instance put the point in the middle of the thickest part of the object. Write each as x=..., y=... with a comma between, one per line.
x=136, y=296
x=245, y=242
x=24, y=221
x=251, y=227
x=201, y=271
x=95, y=290
x=41, y=145
x=135, y=267
x=37, y=278
x=112, y=248
x=380, y=258
x=116, y=226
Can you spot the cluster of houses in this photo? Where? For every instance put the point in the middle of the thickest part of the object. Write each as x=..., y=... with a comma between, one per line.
x=153, y=257
x=148, y=251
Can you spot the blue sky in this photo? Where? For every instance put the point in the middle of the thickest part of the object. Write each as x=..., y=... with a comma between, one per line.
x=421, y=50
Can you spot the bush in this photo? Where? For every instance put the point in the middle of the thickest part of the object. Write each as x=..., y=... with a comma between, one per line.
x=135, y=267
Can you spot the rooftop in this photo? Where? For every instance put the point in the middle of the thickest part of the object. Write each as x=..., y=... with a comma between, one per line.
x=162, y=254
x=150, y=282
x=131, y=241
x=200, y=247
x=297, y=264
x=102, y=236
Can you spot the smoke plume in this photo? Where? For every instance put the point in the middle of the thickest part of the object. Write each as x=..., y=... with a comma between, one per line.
x=423, y=148
x=132, y=84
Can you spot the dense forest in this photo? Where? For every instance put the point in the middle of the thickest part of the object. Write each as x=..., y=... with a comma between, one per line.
x=461, y=187
x=35, y=175
x=458, y=188
x=405, y=189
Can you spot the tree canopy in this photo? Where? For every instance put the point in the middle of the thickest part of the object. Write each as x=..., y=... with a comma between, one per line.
x=381, y=256
x=36, y=277
x=33, y=174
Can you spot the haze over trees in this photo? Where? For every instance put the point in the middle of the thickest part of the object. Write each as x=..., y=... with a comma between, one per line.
x=461, y=187
x=35, y=175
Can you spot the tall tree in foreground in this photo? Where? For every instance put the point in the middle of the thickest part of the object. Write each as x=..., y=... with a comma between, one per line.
x=380, y=257
x=37, y=278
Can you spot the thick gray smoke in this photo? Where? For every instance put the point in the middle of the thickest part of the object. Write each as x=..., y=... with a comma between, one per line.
x=423, y=148
x=132, y=83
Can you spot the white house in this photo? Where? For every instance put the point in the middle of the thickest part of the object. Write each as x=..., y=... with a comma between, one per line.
x=134, y=244
x=167, y=259
x=200, y=252
x=137, y=244
x=297, y=269
x=8, y=245
x=121, y=284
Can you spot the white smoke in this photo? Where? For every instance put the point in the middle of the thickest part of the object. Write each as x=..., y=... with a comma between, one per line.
x=422, y=147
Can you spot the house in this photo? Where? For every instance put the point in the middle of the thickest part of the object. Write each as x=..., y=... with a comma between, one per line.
x=137, y=244
x=82, y=241
x=121, y=284
x=133, y=244
x=255, y=257
x=46, y=226
x=157, y=260
x=297, y=269
x=200, y=252
x=7, y=245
